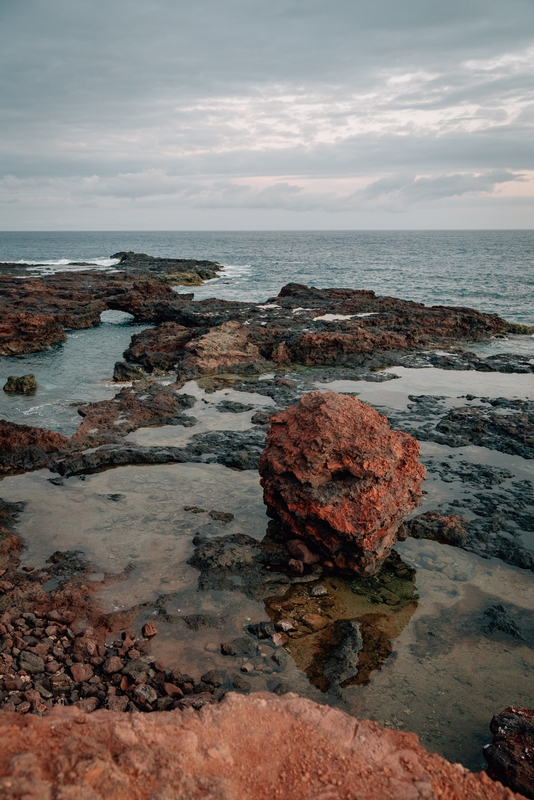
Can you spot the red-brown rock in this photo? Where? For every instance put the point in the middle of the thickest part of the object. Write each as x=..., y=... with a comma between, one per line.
x=23, y=447
x=336, y=475
x=144, y=403
x=26, y=332
x=510, y=756
x=158, y=348
x=245, y=747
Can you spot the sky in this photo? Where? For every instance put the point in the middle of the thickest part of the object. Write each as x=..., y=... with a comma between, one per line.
x=248, y=115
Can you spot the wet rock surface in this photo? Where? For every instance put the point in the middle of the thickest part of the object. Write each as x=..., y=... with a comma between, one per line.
x=493, y=516
x=23, y=447
x=337, y=476
x=509, y=755
x=496, y=423
x=213, y=755
x=233, y=449
x=144, y=403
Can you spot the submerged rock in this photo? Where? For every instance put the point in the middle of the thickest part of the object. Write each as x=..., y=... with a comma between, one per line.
x=337, y=476
x=343, y=662
x=509, y=755
x=23, y=384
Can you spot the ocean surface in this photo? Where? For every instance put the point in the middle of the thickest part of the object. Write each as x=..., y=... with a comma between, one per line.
x=492, y=271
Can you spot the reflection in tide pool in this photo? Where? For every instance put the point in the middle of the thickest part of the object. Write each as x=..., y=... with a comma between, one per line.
x=442, y=671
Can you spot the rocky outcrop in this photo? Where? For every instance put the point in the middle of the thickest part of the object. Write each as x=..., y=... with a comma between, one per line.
x=185, y=271
x=509, y=755
x=159, y=348
x=36, y=312
x=225, y=348
x=26, y=332
x=336, y=475
x=259, y=746
x=23, y=447
x=143, y=404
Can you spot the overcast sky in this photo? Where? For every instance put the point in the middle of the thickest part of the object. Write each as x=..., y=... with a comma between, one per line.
x=240, y=114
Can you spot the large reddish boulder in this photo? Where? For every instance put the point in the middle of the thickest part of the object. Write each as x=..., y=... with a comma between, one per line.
x=336, y=475
x=23, y=447
x=510, y=756
x=259, y=747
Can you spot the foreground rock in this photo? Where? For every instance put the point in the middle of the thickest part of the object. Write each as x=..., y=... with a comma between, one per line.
x=509, y=756
x=337, y=476
x=257, y=747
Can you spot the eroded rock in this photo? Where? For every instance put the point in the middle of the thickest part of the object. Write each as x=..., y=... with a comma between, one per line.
x=23, y=447
x=20, y=384
x=337, y=476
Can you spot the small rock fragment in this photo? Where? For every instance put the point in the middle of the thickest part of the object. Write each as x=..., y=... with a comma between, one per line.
x=149, y=630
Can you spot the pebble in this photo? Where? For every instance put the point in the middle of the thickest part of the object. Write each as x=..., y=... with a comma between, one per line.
x=319, y=591
x=212, y=647
x=314, y=621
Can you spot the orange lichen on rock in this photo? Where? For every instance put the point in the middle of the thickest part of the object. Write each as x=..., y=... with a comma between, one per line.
x=335, y=474
x=245, y=747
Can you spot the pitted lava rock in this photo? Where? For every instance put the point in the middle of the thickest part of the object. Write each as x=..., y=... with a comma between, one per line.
x=145, y=403
x=158, y=348
x=510, y=754
x=26, y=332
x=507, y=425
x=24, y=447
x=36, y=311
x=336, y=475
x=449, y=529
x=245, y=747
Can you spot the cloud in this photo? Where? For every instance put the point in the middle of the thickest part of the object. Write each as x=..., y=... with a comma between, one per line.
x=188, y=103
x=391, y=194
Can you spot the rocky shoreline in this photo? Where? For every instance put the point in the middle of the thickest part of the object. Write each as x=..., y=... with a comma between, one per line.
x=57, y=648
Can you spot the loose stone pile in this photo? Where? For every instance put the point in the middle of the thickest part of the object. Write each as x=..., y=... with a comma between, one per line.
x=44, y=663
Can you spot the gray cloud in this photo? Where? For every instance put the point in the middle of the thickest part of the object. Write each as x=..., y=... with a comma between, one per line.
x=162, y=102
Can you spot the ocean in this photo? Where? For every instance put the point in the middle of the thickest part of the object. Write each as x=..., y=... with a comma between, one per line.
x=492, y=271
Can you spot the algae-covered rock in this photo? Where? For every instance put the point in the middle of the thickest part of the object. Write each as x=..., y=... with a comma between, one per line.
x=20, y=384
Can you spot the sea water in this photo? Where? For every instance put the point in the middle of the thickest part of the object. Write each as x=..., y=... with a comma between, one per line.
x=492, y=271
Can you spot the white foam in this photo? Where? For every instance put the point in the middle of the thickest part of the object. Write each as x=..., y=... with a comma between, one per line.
x=269, y=305
x=49, y=267
x=235, y=270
